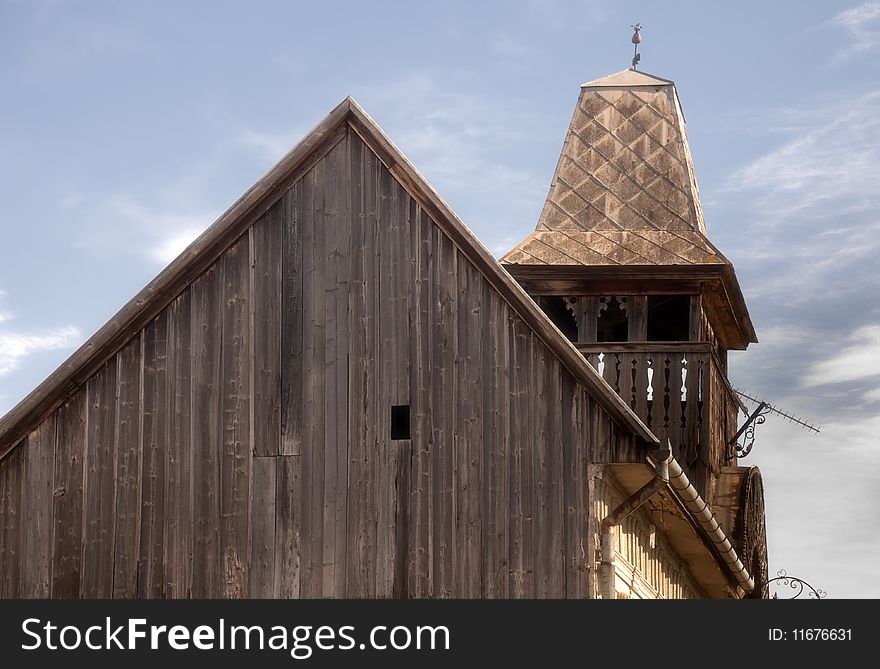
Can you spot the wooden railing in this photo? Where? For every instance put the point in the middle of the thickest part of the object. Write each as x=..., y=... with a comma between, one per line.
x=681, y=393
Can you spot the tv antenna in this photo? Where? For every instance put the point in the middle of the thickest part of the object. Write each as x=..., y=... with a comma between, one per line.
x=758, y=416
x=636, y=40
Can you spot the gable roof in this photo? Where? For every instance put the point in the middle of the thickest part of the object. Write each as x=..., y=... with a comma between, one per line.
x=624, y=191
x=221, y=234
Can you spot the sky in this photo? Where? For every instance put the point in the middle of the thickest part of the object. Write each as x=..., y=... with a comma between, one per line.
x=127, y=128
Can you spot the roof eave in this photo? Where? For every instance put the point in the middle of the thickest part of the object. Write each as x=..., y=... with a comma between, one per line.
x=722, y=273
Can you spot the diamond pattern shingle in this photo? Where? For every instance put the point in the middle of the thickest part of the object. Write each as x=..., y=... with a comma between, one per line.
x=624, y=191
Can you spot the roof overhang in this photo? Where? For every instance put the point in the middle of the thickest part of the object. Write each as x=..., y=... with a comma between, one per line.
x=684, y=534
x=716, y=282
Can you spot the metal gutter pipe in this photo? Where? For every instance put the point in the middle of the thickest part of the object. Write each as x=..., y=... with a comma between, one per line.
x=700, y=511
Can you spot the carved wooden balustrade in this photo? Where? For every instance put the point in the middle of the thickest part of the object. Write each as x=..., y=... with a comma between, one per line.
x=681, y=393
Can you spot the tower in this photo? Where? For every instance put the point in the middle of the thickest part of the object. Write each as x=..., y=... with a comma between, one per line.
x=620, y=261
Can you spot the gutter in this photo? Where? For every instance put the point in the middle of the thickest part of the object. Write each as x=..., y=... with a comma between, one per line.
x=702, y=514
x=668, y=474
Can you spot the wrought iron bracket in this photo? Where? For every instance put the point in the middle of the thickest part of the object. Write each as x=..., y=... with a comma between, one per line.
x=747, y=431
x=797, y=585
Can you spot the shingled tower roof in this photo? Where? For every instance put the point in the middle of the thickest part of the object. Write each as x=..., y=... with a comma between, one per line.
x=624, y=192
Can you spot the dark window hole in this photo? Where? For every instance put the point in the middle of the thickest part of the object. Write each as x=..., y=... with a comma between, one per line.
x=400, y=422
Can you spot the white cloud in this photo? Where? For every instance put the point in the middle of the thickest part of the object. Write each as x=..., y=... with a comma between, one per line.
x=125, y=223
x=16, y=345
x=168, y=233
x=837, y=156
x=171, y=247
x=861, y=360
x=872, y=395
x=785, y=335
x=812, y=204
x=863, y=25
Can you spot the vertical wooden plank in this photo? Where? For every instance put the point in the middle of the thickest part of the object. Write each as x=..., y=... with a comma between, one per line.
x=12, y=512
x=207, y=292
x=659, y=385
x=444, y=284
x=588, y=318
x=99, y=491
x=469, y=430
x=640, y=388
x=356, y=400
x=534, y=403
x=692, y=404
x=154, y=430
x=129, y=412
x=289, y=505
x=178, y=499
x=553, y=483
x=236, y=450
x=627, y=378
x=313, y=378
x=695, y=311
x=541, y=522
x=326, y=219
x=385, y=481
x=362, y=396
x=400, y=300
x=675, y=431
x=495, y=476
x=611, y=371
x=267, y=251
x=637, y=317
x=262, y=577
x=40, y=468
x=519, y=439
x=573, y=479
x=344, y=234
x=288, y=533
x=400, y=523
x=295, y=203
x=8, y=522
x=334, y=220
x=420, y=572
x=68, y=505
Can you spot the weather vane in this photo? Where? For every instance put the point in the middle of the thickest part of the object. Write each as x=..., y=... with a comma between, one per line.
x=636, y=40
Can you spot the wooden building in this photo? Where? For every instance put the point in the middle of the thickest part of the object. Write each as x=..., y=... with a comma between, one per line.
x=336, y=391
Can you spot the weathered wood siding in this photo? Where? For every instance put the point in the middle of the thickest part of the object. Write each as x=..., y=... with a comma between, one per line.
x=240, y=444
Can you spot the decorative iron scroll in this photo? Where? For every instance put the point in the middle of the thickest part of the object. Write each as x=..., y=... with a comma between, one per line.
x=797, y=586
x=747, y=431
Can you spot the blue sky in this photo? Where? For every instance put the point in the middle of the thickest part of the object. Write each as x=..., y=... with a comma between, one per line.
x=127, y=128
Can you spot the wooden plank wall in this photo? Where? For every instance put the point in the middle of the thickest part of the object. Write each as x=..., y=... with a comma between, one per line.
x=240, y=444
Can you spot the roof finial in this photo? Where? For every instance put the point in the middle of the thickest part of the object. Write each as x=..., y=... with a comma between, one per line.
x=636, y=40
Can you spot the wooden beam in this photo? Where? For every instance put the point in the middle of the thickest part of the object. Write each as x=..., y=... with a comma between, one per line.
x=644, y=347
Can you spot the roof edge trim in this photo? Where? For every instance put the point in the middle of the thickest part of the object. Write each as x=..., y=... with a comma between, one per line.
x=142, y=308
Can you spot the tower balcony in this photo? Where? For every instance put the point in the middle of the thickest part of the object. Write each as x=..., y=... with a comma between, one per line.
x=681, y=392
